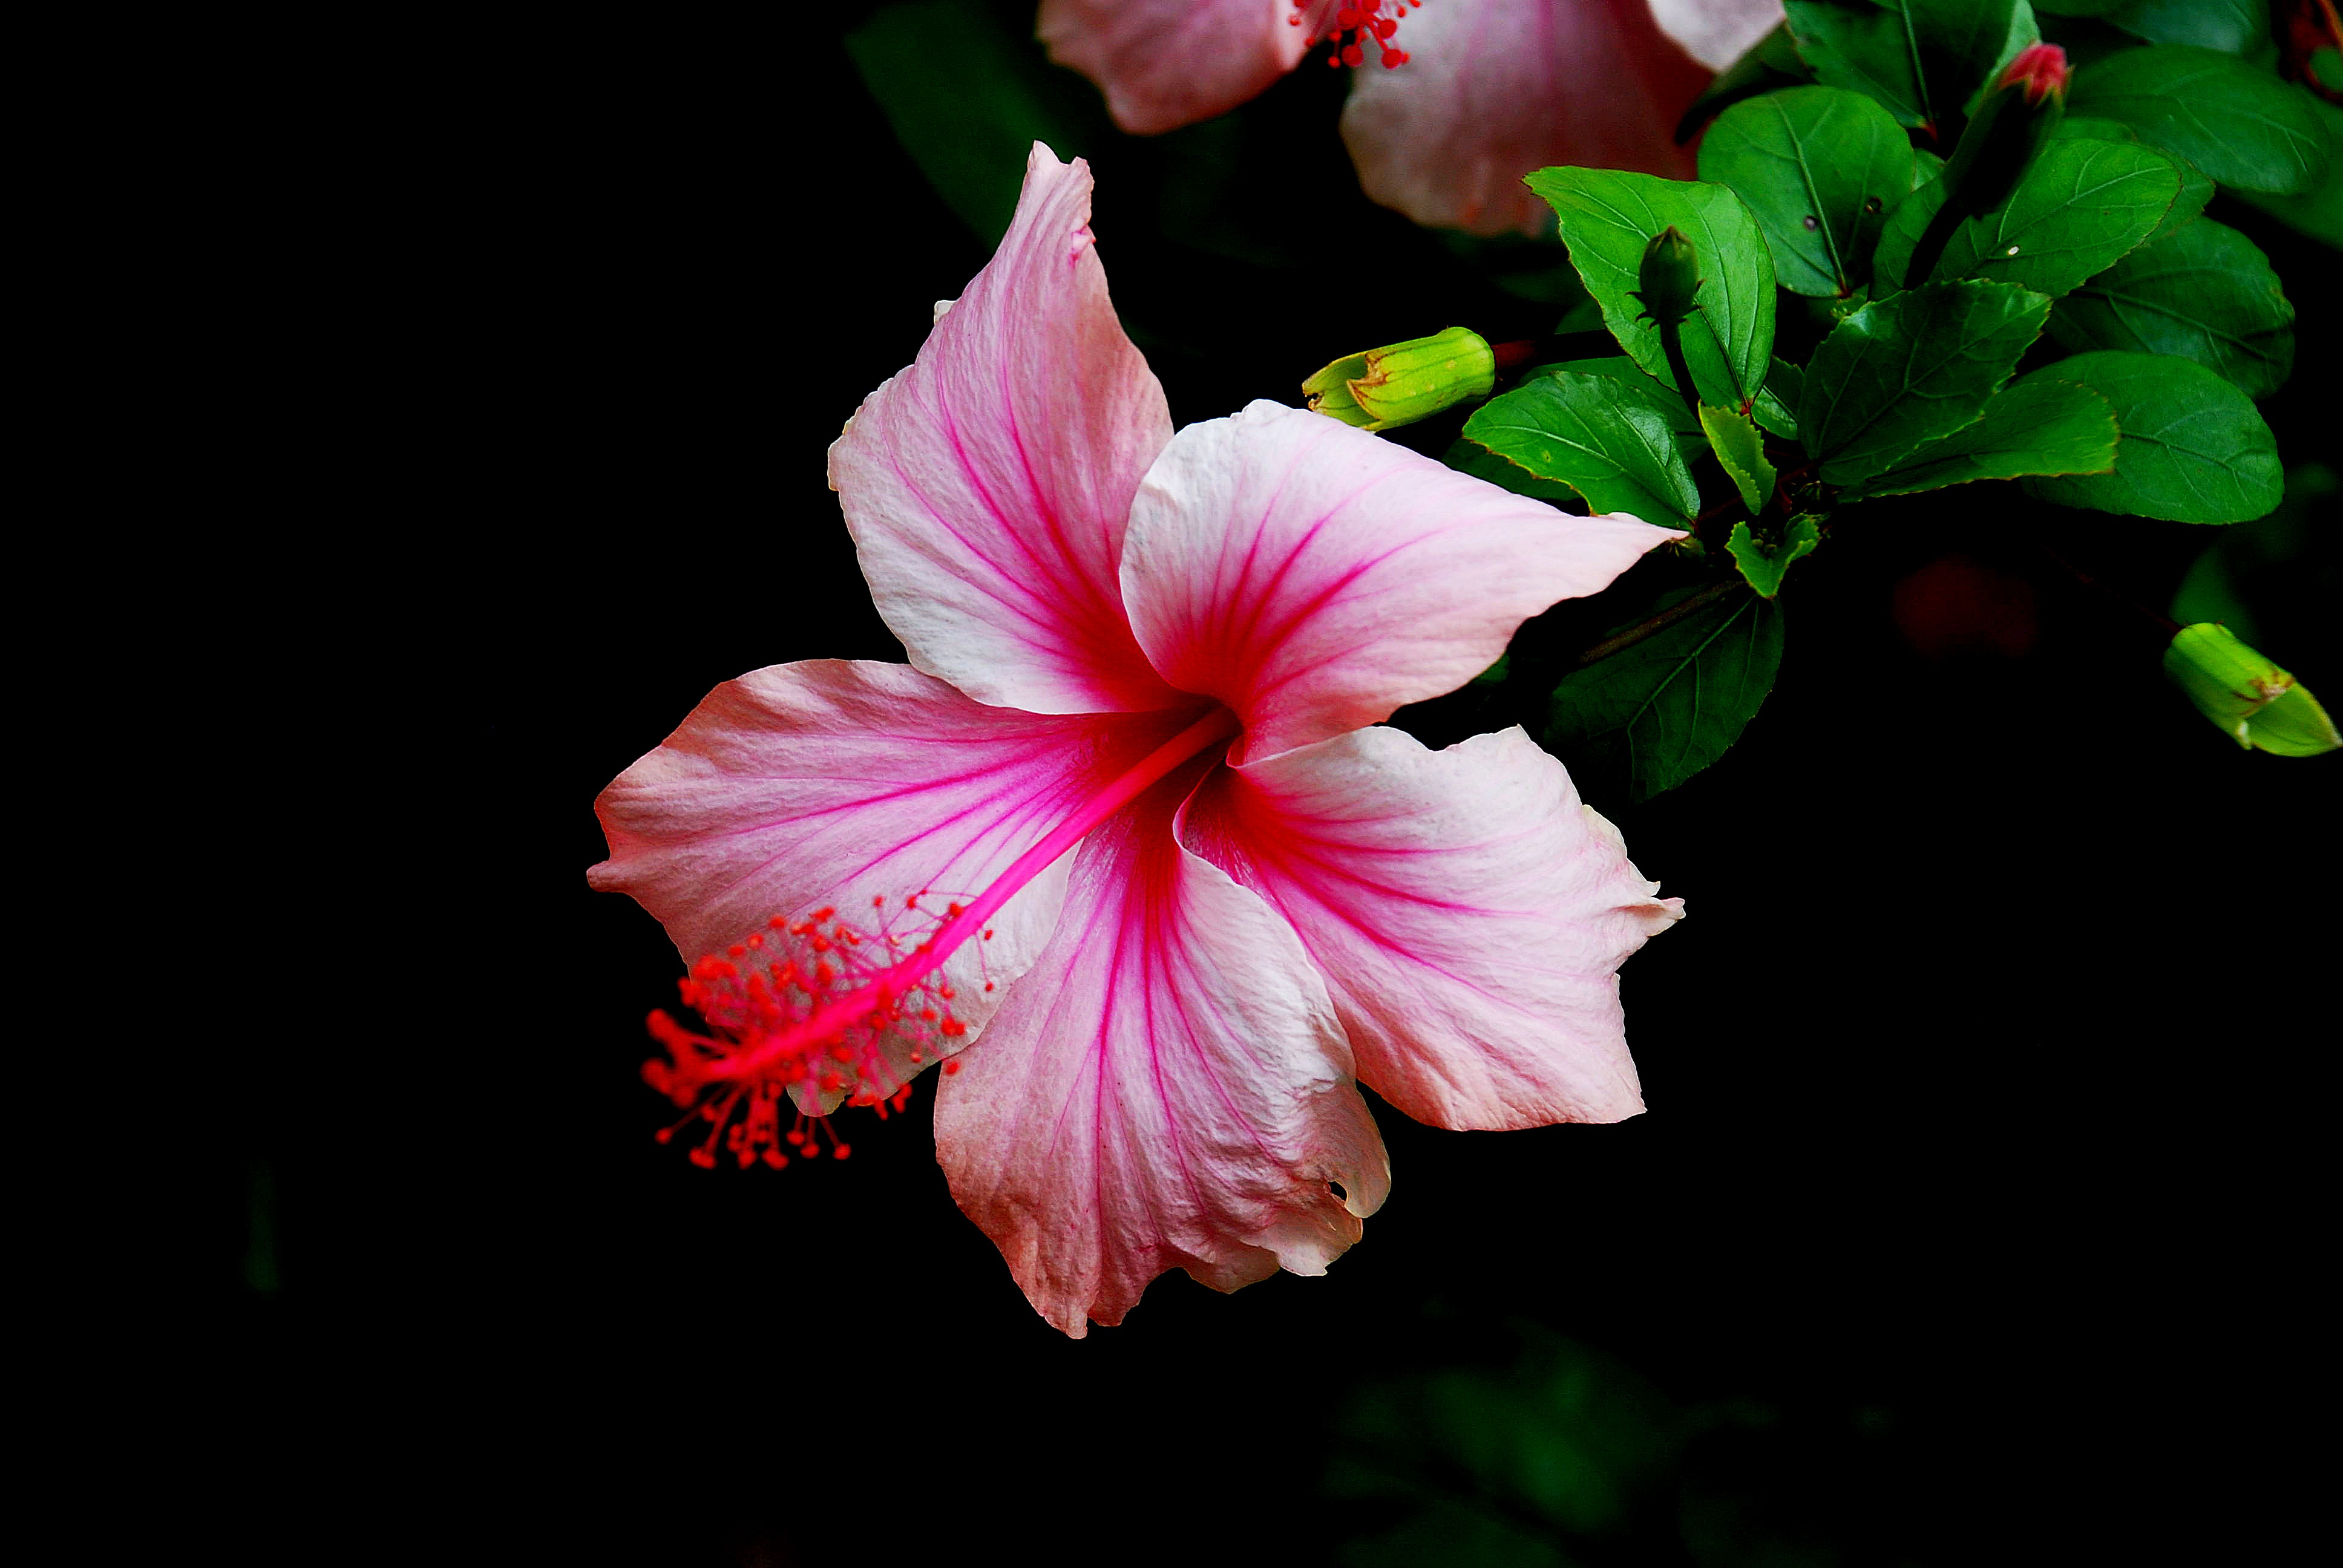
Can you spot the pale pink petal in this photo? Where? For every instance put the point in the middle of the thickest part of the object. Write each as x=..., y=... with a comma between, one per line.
x=837, y=782
x=987, y=486
x=1166, y=1087
x=1164, y=64
x=1468, y=914
x=1315, y=577
x=1493, y=89
x=1716, y=32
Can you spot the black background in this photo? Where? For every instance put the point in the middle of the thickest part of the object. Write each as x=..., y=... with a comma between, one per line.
x=1984, y=1075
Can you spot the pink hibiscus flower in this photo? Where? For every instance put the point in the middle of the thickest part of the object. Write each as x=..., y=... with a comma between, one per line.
x=1478, y=93
x=1125, y=846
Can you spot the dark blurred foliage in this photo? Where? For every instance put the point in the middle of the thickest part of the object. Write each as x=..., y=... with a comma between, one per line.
x=1973, y=1218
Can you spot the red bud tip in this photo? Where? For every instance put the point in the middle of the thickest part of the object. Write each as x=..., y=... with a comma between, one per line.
x=2040, y=70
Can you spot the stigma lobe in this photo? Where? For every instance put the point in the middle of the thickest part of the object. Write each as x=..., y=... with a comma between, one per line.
x=1359, y=23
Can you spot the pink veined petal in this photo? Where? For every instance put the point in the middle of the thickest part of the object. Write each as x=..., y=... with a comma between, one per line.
x=1164, y=64
x=1468, y=914
x=1166, y=1087
x=1716, y=32
x=1496, y=88
x=835, y=782
x=1315, y=577
x=987, y=487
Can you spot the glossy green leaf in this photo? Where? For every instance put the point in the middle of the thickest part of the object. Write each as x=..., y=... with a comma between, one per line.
x=2194, y=449
x=2204, y=292
x=1923, y=60
x=2196, y=186
x=1652, y=715
x=1740, y=452
x=1636, y=387
x=1909, y=369
x=2037, y=425
x=968, y=98
x=1607, y=216
x=1579, y=431
x=2082, y=204
x=2231, y=27
x=1473, y=458
x=2240, y=124
x=2317, y=212
x=1762, y=565
x=1819, y=167
x=1777, y=406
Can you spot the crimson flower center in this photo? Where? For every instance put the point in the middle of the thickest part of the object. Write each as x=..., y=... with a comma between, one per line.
x=835, y=1008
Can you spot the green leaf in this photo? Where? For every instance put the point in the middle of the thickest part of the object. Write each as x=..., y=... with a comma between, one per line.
x=1577, y=429
x=968, y=98
x=1607, y=216
x=2036, y=424
x=1923, y=60
x=2317, y=213
x=1473, y=458
x=2195, y=189
x=2241, y=126
x=2204, y=292
x=2082, y=205
x=1760, y=567
x=1912, y=369
x=1771, y=64
x=1819, y=167
x=1635, y=386
x=1775, y=407
x=1660, y=709
x=2193, y=450
x=2231, y=27
x=1740, y=451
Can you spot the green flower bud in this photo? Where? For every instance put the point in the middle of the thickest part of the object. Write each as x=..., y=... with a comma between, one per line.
x=1405, y=382
x=1669, y=278
x=2253, y=700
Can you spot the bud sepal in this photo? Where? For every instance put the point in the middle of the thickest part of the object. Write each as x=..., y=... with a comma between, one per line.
x=1405, y=382
x=2252, y=701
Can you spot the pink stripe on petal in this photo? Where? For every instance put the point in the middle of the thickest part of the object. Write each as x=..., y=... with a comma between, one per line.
x=1468, y=914
x=1166, y=1087
x=1496, y=88
x=837, y=783
x=1315, y=577
x=987, y=486
x=1164, y=64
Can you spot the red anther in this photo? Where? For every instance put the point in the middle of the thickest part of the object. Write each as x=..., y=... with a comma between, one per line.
x=1346, y=18
x=831, y=1083
x=840, y=1152
x=704, y=1157
x=988, y=985
x=1352, y=55
x=927, y=1014
x=951, y=1067
x=946, y=993
x=988, y=936
x=824, y=913
x=841, y=1051
x=1385, y=26
x=880, y=903
x=777, y=1160
x=1394, y=59
x=780, y=923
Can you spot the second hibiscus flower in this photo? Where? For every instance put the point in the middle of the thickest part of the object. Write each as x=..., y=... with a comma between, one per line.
x=1489, y=89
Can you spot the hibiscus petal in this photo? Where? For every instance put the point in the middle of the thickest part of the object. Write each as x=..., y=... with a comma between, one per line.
x=987, y=486
x=835, y=782
x=1468, y=914
x=1716, y=32
x=1166, y=1087
x=1164, y=64
x=1493, y=89
x=1315, y=577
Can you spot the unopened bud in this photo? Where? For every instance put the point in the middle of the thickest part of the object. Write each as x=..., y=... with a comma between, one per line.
x=1405, y=382
x=2017, y=116
x=2254, y=701
x=1668, y=279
